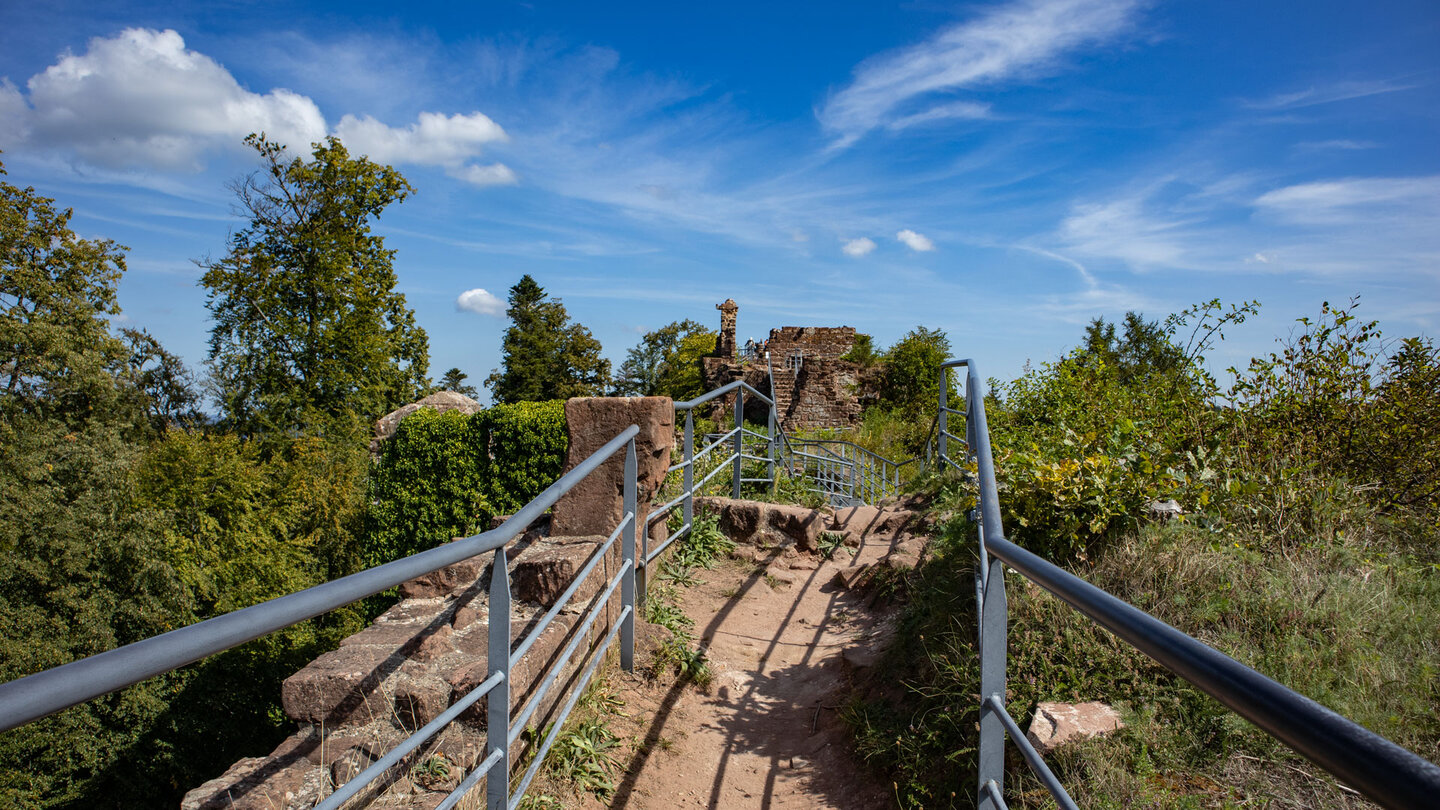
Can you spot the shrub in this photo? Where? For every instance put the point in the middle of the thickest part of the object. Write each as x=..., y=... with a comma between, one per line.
x=527, y=443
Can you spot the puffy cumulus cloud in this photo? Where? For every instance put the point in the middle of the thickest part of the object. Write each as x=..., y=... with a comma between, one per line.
x=915, y=241
x=433, y=140
x=858, y=247
x=142, y=99
x=481, y=302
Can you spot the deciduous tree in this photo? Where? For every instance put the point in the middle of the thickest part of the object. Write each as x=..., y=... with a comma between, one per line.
x=309, y=328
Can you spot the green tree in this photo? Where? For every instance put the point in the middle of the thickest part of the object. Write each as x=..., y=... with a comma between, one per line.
x=308, y=326
x=640, y=373
x=164, y=387
x=546, y=355
x=454, y=380
x=57, y=291
x=680, y=377
x=912, y=372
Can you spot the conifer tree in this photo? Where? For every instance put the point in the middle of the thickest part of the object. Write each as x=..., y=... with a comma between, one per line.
x=546, y=355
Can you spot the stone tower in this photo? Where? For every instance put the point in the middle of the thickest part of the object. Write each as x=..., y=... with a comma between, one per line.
x=725, y=344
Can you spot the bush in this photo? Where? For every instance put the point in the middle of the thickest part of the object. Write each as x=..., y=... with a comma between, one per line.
x=527, y=443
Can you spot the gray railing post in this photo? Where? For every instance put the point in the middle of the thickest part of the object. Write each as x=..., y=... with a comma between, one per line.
x=739, y=440
x=627, y=551
x=497, y=715
x=689, y=474
x=992, y=682
x=944, y=424
x=770, y=447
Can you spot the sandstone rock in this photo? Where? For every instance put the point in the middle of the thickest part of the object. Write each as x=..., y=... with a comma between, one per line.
x=447, y=580
x=257, y=783
x=340, y=685
x=1164, y=510
x=1055, y=724
x=595, y=505
x=545, y=570
x=851, y=576
x=351, y=763
x=798, y=523
x=420, y=700
x=739, y=520
x=440, y=401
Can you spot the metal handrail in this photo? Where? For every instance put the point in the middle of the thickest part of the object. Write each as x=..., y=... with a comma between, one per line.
x=35, y=696
x=1381, y=770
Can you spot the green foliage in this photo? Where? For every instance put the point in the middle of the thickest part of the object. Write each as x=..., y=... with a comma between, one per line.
x=309, y=330
x=645, y=363
x=454, y=380
x=427, y=486
x=680, y=375
x=444, y=475
x=527, y=443
x=164, y=387
x=912, y=372
x=57, y=356
x=583, y=756
x=546, y=356
x=862, y=351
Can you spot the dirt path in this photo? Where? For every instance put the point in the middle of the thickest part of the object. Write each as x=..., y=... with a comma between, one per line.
x=767, y=733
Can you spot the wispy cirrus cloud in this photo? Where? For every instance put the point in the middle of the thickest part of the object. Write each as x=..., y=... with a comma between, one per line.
x=1329, y=93
x=1017, y=40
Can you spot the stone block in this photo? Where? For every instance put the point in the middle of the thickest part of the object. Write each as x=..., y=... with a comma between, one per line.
x=259, y=783
x=418, y=700
x=595, y=505
x=738, y=520
x=340, y=685
x=1056, y=724
x=545, y=570
x=447, y=580
x=798, y=523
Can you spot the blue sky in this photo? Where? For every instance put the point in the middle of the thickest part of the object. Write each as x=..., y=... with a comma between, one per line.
x=1003, y=171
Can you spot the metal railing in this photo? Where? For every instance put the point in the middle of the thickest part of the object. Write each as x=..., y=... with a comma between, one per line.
x=1381, y=770
x=844, y=472
x=35, y=696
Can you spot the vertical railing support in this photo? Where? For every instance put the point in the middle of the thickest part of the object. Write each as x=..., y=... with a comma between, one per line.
x=627, y=546
x=992, y=682
x=689, y=475
x=770, y=447
x=497, y=715
x=739, y=441
x=944, y=422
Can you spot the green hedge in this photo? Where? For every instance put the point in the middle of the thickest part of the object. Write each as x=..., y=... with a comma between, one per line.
x=443, y=475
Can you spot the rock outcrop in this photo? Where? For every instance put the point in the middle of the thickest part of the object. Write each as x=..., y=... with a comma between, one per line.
x=439, y=401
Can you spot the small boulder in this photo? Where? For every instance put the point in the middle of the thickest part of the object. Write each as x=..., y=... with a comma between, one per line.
x=1164, y=510
x=440, y=401
x=1055, y=724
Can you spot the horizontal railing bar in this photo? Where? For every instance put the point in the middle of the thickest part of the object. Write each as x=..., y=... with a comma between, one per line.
x=569, y=706
x=993, y=791
x=35, y=696
x=724, y=465
x=672, y=538
x=430, y=729
x=952, y=410
x=722, y=391
x=661, y=511
x=1037, y=763
x=953, y=436
x=1385, y=772
x=575, y=583
x=754, y=480
x=752, y=434
x=470, y=780
x=518, y=725
x=716, y=443
x=749, y=457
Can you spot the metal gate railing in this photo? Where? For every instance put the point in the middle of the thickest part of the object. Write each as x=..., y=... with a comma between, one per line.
x=1383, y=771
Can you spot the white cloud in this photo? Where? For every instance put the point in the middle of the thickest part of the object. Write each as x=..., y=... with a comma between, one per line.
x=942, y=112
x=496, y=174
x=141, y=99
x=858, y=247
x=1340, y=202
x=1020, y=38
x=915, y=241
x=481, y=302
x=1126, y=229
x=433, y=140
x=1339, y=91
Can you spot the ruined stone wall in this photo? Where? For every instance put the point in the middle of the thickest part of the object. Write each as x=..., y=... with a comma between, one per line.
x=815, y=342
x=824, y=396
